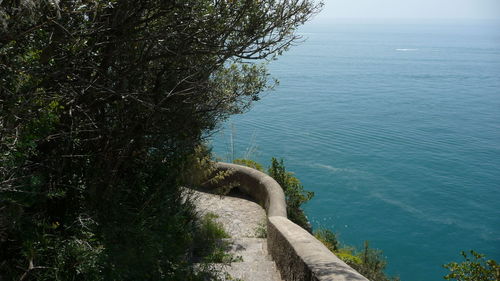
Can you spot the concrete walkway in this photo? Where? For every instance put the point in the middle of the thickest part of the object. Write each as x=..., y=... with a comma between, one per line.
x=245, y=221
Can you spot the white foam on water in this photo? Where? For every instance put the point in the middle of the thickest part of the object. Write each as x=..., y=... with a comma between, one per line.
x=406, y=50
x=486, y=233
x=335, y=169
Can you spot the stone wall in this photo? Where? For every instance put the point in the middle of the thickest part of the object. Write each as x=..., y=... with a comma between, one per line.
x=298, y=255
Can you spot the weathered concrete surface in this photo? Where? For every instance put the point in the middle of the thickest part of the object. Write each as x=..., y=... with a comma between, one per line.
x=253, y=271
x=249, y=249
x=261, y=187
x=240, y=216
x=256, y=265
x=298, y=254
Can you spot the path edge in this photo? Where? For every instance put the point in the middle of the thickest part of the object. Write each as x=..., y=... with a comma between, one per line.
x=298, y=255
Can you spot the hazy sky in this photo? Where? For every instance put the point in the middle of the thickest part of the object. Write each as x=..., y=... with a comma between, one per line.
x=411, y=9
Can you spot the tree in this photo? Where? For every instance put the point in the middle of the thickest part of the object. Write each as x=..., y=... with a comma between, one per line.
x=101, y=105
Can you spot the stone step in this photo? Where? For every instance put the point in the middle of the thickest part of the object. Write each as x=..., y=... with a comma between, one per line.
x=241, y=218
x=254, y=271
x=252, y=261
x=249, y=249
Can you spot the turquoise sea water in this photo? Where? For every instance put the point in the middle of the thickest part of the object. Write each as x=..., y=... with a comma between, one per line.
x=396, y=128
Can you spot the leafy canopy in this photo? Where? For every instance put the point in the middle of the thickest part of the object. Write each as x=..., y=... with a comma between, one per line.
x=102, y=106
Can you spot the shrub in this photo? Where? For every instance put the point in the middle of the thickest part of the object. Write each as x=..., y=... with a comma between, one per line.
x=328, y=238
x=249, y=163
x=209, y=245
x=372, y=264
x=369, y=262
x=295, y=194
x=474, y=268
x=261, y=230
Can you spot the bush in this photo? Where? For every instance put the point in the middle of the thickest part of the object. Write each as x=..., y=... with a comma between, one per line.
x=474, y=268
x=208, y=244
x=328, y=238
x=249, y=163
x=295, y=194
x=369, y=262
x=372, y=264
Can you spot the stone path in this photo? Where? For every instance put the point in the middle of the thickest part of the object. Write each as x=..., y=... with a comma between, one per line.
x=244, y=220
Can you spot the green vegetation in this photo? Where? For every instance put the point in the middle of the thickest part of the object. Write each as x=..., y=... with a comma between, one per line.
x=249, y=163
x=295, y=194
x=328, y=238
x=208, y=241
x=104, y=107
x=261, y=231
x=369, y=262
x=372, y=264
x=474, y=268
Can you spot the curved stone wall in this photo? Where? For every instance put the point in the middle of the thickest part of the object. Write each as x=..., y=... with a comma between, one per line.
x=259, y=186
x=298, y=255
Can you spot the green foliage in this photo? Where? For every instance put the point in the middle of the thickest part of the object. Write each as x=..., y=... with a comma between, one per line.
x=261, y=231
x=328, y=238
x=249, y=163
x=348, y=255
x=208, y=241
x=104, y=107
x=198, y=168
x=372, y=264
x=369, y=262
x=473, y=268
x=295, y=194
x=210, y=229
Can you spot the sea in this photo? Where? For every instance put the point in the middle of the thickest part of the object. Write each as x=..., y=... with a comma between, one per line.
x=395, y=126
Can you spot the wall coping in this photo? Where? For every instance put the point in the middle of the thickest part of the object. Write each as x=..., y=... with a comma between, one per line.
x=297, y=254
x=259, y=186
